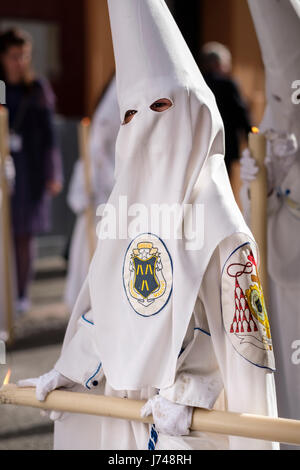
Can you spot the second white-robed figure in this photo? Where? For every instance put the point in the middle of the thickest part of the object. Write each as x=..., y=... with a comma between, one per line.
x=104, y=130
x=172, y=313
x=277, y=25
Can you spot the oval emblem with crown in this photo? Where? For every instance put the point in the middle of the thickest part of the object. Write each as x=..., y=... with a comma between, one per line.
x=147, y=274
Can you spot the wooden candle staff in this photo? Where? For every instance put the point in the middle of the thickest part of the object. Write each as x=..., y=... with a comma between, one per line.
x=221, y=422
x=84, y=132
x=259, y=195
x=6, y=224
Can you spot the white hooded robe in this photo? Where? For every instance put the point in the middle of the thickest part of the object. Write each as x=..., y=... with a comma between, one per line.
x=278, y=28
x=196, y=324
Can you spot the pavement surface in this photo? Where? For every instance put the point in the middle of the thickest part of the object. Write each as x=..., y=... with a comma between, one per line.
x=38, y=339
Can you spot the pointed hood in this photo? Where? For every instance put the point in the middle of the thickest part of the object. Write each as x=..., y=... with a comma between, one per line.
x=145, y=276
x=277, y=24
x=149, y=47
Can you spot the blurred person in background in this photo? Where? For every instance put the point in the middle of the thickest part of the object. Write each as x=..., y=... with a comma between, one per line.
x=216, y=67
x=33, y=147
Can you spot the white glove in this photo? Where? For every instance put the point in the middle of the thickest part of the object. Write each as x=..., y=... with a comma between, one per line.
x=79, y=201
x=282, y=153
x=46, y=383
x=169, y=418
x=249, y=169
x=77, y=198
x=248, y=173
x=283, y=145
x=53, y=415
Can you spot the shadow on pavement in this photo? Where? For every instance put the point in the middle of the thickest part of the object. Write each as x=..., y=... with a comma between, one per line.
x=37, y=339
x=35, y=430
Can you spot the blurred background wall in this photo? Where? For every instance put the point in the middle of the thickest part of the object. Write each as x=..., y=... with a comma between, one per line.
x=73, y=49
x=73, y=44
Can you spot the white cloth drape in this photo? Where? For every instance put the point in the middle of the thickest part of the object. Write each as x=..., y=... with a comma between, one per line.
x=210, y=361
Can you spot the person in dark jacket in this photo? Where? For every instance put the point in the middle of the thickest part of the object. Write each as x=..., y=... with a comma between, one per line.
x=216, y=66
x=33, y=146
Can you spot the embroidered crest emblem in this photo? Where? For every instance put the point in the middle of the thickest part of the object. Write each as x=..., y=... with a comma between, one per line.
x=248, y=326
x=147, y=275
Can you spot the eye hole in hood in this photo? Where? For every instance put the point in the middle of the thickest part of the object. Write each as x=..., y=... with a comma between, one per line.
x=161, y=105
x=129, y=115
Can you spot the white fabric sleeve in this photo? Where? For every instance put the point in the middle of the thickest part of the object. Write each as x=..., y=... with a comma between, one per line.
x=240, y=333
x=221, y=356
x=198, y=380
x=80, y=360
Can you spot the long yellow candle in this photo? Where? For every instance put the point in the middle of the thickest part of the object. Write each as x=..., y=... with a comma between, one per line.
x=6, y=224
x=259, y=195
x=221, y=422
x=84, y=133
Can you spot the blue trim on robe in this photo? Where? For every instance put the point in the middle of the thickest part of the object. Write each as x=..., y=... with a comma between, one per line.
x=98, y=369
